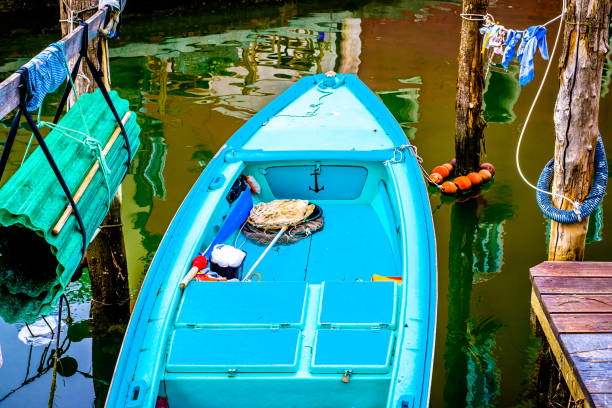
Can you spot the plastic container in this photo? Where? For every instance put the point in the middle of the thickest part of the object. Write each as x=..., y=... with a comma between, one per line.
x=227, y=261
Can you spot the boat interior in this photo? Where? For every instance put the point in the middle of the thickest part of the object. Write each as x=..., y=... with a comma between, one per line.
x=312, y=329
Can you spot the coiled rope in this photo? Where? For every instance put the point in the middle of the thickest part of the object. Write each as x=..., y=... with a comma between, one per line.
x=600, y=180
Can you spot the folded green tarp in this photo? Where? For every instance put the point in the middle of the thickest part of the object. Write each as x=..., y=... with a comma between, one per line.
x=32, y=201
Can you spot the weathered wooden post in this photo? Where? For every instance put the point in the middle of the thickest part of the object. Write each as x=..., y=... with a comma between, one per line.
x=469, y=124
x=585, y=45
x=72, y=13
x=106, y=257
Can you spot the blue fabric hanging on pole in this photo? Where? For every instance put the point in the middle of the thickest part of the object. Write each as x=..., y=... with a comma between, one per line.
x=46, y=72
x=512, y=39
x=533, y=38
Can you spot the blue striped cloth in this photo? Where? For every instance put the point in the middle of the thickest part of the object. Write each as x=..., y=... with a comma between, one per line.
x=46, y=72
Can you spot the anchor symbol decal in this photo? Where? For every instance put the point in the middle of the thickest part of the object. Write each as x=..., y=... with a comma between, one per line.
x=316, y=174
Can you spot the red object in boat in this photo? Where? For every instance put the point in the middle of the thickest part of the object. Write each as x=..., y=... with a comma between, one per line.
x=199, y=262
x=162, y=402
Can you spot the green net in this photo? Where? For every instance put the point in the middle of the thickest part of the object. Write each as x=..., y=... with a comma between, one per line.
x=35, y=264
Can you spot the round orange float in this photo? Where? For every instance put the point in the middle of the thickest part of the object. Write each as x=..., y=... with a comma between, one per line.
x=449, y=167
x=443, y=171
x=486, y=175
x=463, y=183
x=448, y=187
x=475, y=178
x=436, y=178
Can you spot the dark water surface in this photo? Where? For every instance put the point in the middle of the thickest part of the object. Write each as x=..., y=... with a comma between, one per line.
x=194, y=78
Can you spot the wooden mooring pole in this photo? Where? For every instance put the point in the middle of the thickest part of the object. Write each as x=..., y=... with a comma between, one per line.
x=106, y=256
x=585, y=45
x=469, y=124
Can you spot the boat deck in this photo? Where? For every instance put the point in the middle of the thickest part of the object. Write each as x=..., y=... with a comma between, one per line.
x=271, y=339
x=573, y=303
x=355, y=231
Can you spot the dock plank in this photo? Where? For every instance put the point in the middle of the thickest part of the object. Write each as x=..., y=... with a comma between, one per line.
x=591, y=354
x=575, y=269
x=602, y=400
x=569, y=285
x=591, y=303
x=582, y=322
x=573, y=303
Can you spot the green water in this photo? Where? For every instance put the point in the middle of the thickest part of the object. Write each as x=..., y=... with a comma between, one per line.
x=195, y=78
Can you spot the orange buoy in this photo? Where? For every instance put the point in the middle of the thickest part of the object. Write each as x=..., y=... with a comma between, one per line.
x=448, y=187
x=443, y=171
x=436, y=178
x=486, y=175
x=488, y=166
x=475, y=178
x=463, y=183
x=449, y=167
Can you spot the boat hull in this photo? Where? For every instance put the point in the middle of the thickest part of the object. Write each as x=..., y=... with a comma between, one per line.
x=377, y=219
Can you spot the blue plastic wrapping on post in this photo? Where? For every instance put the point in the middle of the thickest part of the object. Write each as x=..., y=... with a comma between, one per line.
x=600, y=179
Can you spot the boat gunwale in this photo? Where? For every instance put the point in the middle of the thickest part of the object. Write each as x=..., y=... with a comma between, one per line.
x=137, y=329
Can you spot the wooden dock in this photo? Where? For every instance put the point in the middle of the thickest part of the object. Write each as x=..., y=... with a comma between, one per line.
x=573, y=304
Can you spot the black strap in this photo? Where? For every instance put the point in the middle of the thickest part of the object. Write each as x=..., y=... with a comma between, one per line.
x=43, y=145
x=100, y=84
x=97, y=75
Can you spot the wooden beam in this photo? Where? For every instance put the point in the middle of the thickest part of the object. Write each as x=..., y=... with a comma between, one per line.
x=576, y=387
x=9, y=94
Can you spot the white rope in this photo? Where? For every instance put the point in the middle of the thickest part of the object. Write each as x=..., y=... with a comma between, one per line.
x=553, y=20
x=476, y=17
x=575, y=204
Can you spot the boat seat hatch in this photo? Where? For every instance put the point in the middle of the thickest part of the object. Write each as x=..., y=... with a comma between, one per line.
x=358, y=304
x=240, y=304
x=233, y=350
x=360, y=351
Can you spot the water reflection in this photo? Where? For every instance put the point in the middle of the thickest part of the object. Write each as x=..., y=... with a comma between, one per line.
x=475, y=255
x=404, y=104
x=194, y=79
x=501, y=93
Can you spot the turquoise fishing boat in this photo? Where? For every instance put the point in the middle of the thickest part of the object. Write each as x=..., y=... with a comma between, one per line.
x=342, y=316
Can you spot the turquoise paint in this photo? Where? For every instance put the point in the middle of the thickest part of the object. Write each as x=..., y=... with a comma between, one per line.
x=357, y=350
x=243, y=304
x=333, y=182
x=242, y=350
x=392, y=364
x=377, y=305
